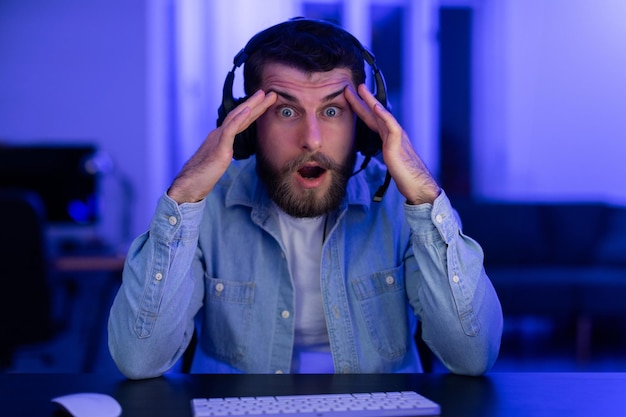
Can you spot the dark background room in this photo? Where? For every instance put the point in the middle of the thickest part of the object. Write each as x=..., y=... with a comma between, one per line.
x=517, y=107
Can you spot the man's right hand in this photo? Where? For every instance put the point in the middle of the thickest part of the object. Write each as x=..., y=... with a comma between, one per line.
x=202, y=171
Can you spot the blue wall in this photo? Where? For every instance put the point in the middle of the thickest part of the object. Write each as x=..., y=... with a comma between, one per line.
x=75, y=71
x=549, y=93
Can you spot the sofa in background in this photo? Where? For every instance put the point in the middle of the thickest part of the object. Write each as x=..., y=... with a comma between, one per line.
x=561, y=260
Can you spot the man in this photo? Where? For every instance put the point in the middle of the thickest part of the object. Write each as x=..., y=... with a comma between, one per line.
x=281, y=262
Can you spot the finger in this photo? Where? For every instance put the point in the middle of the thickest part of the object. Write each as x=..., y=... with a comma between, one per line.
x=369, y=98
x=384, y=118
x=357, y=104
x=361, y=108
x=371, y=111
x=236, y=122
x=242, y=116
x=259, y=109
x=249, y=102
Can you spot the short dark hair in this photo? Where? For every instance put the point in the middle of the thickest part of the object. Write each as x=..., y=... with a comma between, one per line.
x=305, y=44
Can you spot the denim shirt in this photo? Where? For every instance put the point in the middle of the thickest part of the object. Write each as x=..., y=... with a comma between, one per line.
x=219, y=265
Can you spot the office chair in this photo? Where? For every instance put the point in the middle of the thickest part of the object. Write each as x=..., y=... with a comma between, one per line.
x=25, y=298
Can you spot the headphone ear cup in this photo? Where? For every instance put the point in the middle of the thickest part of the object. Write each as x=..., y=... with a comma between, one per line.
x=244, y=145
x=369, y=142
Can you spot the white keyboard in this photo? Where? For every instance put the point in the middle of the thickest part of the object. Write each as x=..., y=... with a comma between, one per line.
x=390, y=404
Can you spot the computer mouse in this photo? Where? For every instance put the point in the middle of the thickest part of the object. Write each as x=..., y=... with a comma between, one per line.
x=89, y=404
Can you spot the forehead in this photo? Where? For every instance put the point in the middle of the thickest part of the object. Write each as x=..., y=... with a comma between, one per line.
x=281, y=77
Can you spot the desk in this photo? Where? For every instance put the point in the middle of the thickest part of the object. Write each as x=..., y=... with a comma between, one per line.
x=89, y=263
x=84, y=266
x=496, y=394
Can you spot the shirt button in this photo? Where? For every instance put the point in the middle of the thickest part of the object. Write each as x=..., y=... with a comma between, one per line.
x=158, y=276
x=172, y=220
x=285, y=314
x=439, y=218
x=219, y=287
x=390, y=280
x=455, y=279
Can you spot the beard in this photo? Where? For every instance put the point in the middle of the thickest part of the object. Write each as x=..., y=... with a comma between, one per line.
x=310, y=202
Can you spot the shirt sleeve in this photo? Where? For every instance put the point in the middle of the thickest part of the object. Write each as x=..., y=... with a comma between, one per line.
x=449, y=289
x=152, y=317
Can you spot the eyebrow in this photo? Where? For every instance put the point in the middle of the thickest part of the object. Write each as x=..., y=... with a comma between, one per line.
x=293, y=99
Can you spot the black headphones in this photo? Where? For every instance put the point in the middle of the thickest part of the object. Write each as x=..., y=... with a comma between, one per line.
x=368, y=141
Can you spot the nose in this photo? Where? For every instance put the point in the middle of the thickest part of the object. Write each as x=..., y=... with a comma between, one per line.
x=311, y=139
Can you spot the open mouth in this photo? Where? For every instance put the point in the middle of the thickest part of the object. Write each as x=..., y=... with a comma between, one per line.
x=311, y=172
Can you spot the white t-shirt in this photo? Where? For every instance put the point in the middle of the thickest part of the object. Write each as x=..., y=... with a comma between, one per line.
x=303, y=239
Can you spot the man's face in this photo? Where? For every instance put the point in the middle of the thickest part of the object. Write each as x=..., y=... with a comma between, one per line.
x=306, y=139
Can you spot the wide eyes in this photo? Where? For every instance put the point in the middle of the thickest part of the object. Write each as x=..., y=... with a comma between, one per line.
x=330, y=112
x=286, y=112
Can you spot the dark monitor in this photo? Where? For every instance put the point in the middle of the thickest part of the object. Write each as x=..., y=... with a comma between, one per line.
x=60, y=174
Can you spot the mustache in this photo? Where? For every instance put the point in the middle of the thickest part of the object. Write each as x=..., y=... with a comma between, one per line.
x=324, y=161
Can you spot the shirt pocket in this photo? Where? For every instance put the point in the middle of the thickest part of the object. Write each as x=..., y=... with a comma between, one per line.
x=228, y=316
x=382, y=301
